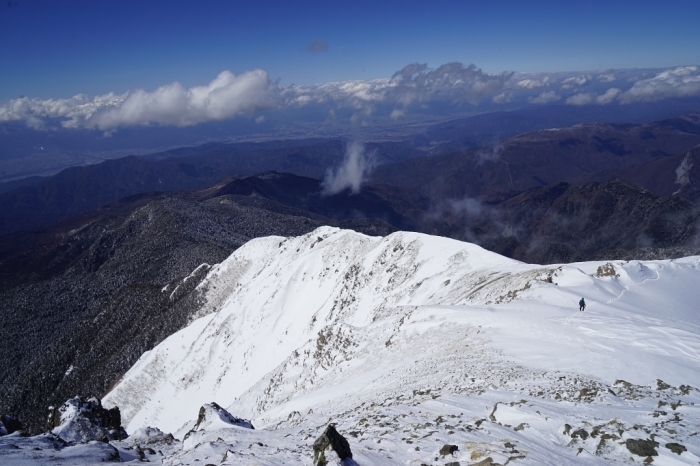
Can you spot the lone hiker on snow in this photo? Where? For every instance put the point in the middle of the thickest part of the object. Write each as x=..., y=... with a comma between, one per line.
x=582, y=305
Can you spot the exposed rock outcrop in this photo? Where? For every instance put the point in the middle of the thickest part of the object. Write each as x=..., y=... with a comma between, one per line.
x=331, y=440
x=642, y=447
x=9, y=425
x=79, y=421
x=212, y=417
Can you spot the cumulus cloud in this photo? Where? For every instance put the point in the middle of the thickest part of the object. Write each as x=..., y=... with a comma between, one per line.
x=415, y=84
x=503, y=98
x=351, y=173
x=451, y=82
x=529, y=83
x=587, y=98
x=226, y=96
x=414, y=88
x=583, y=98
x=683, y=81
x=608, y=96
x=317, y=46
x=546, y=97
x=574, y=81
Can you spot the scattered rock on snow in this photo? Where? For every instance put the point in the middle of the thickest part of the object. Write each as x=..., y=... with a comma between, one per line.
x=642, y=447
x=80, y=421
x=448, y=449
x=676, y=448
x=330, y=439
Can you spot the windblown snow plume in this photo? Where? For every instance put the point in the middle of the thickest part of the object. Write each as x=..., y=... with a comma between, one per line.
x=351, y=173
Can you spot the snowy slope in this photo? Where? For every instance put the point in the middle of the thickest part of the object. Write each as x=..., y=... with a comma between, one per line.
x=337, y=325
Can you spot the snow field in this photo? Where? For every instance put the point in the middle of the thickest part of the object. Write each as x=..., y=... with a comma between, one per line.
x=335, y=325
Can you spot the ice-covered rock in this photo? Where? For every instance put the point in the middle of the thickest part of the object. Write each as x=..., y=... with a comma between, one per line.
x=80, y=421
x=151, y=435
x=213, y=417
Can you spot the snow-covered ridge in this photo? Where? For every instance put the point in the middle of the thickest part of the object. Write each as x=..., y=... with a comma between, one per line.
x=281, y=294
x=323, y=324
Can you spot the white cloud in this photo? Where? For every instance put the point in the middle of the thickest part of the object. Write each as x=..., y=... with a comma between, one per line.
x=683, y=81
x=529, y=83
x=351, y=173
x=574, y=81
x=586, y=98
x=415, y=84
x=415, y=87
x=226, y=96
x=489, y=154
x=503, y=98
x=582, y=98
x=608, y=97
x=546, y=97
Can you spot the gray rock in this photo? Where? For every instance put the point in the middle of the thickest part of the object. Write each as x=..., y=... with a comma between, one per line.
x=448, y=449
x=676, y=448
x=331, y=439
x=642, y=447
x=79, y=420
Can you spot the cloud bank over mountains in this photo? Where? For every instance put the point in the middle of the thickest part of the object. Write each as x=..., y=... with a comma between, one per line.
x=415, y=89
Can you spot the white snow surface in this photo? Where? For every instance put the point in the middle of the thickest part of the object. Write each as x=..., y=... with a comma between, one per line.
x=410, y=341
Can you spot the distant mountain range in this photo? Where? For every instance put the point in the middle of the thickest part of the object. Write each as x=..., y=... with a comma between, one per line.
x=581, y=153
x=80, y=189
x=544, y=157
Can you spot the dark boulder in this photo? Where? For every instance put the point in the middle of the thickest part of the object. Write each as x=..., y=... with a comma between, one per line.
x=330, y=439
x=9, y=425
x=642, y=447
x=448, y=449
x=79, y=420
x=676, y=448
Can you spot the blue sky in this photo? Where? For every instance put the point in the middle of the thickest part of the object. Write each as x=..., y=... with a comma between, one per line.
x=56, y=49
